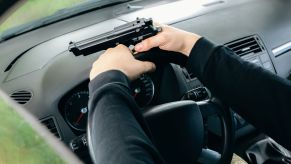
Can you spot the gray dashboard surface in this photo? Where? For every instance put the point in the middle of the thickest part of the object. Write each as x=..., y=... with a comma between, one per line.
x=269, y=19
x=50, y=71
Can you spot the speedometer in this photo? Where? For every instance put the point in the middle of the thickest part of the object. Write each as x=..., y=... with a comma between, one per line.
x=76, y=110
x=143, y=90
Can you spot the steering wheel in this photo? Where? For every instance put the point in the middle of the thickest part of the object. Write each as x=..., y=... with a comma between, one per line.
x=179, y=128
x=178, y=131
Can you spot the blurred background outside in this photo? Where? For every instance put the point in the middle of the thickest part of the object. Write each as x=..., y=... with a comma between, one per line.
x=32, y=10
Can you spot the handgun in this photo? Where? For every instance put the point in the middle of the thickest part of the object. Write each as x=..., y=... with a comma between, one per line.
x=128, y=34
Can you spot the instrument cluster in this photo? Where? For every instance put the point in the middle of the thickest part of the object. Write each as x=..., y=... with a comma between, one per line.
x=73, y=106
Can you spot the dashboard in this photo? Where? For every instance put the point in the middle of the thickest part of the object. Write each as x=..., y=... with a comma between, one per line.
x=38, y=71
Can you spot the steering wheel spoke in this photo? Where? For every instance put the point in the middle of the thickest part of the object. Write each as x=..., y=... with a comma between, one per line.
x=207, y=108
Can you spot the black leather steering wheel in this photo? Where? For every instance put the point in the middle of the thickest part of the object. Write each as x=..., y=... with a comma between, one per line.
x=178, y=128
x=179, y=133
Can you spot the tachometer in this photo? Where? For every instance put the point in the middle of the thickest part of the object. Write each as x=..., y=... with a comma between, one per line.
x=76, y=110
x=143, y=90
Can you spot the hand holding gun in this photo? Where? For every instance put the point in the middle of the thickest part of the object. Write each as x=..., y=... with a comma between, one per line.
x=128, y=34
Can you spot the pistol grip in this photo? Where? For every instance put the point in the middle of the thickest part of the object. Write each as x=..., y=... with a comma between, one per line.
x=159, y=56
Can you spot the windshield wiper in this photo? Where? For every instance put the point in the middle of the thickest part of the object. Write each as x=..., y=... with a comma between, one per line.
x=60, y=15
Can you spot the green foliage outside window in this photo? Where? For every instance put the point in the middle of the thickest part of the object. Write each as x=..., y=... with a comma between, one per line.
x=35, y=9
x=20, y=143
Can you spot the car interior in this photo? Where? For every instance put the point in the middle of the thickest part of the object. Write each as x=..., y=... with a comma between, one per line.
x=38, y=71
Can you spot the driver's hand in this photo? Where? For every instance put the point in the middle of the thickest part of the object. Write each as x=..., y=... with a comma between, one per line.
x=170, y=39
x=120, y=58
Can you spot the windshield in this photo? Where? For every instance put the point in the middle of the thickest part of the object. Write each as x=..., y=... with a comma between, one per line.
x=36, y=13
x=32, y=10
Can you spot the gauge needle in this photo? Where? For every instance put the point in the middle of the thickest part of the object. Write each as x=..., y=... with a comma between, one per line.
x=79, y=118
x=83, y=111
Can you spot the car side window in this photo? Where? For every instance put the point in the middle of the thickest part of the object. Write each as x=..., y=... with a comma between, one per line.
x=20, y=143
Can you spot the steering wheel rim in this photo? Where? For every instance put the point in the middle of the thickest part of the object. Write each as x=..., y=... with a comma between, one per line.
x=227, y=125
x=155, y=115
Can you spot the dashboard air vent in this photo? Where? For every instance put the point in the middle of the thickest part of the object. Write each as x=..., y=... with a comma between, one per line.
x=21, y=96
x=51, y=125
x=246, y=45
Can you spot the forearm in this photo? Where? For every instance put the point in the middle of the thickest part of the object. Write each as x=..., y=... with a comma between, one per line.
x=258, y=95
x=118, y=133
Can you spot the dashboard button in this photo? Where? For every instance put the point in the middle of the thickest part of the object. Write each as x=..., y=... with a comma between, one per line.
x=79, y=143
x=197, y=94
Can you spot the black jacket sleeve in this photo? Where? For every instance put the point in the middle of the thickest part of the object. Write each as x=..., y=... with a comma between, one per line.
x=116, y=130
x=260, y=96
